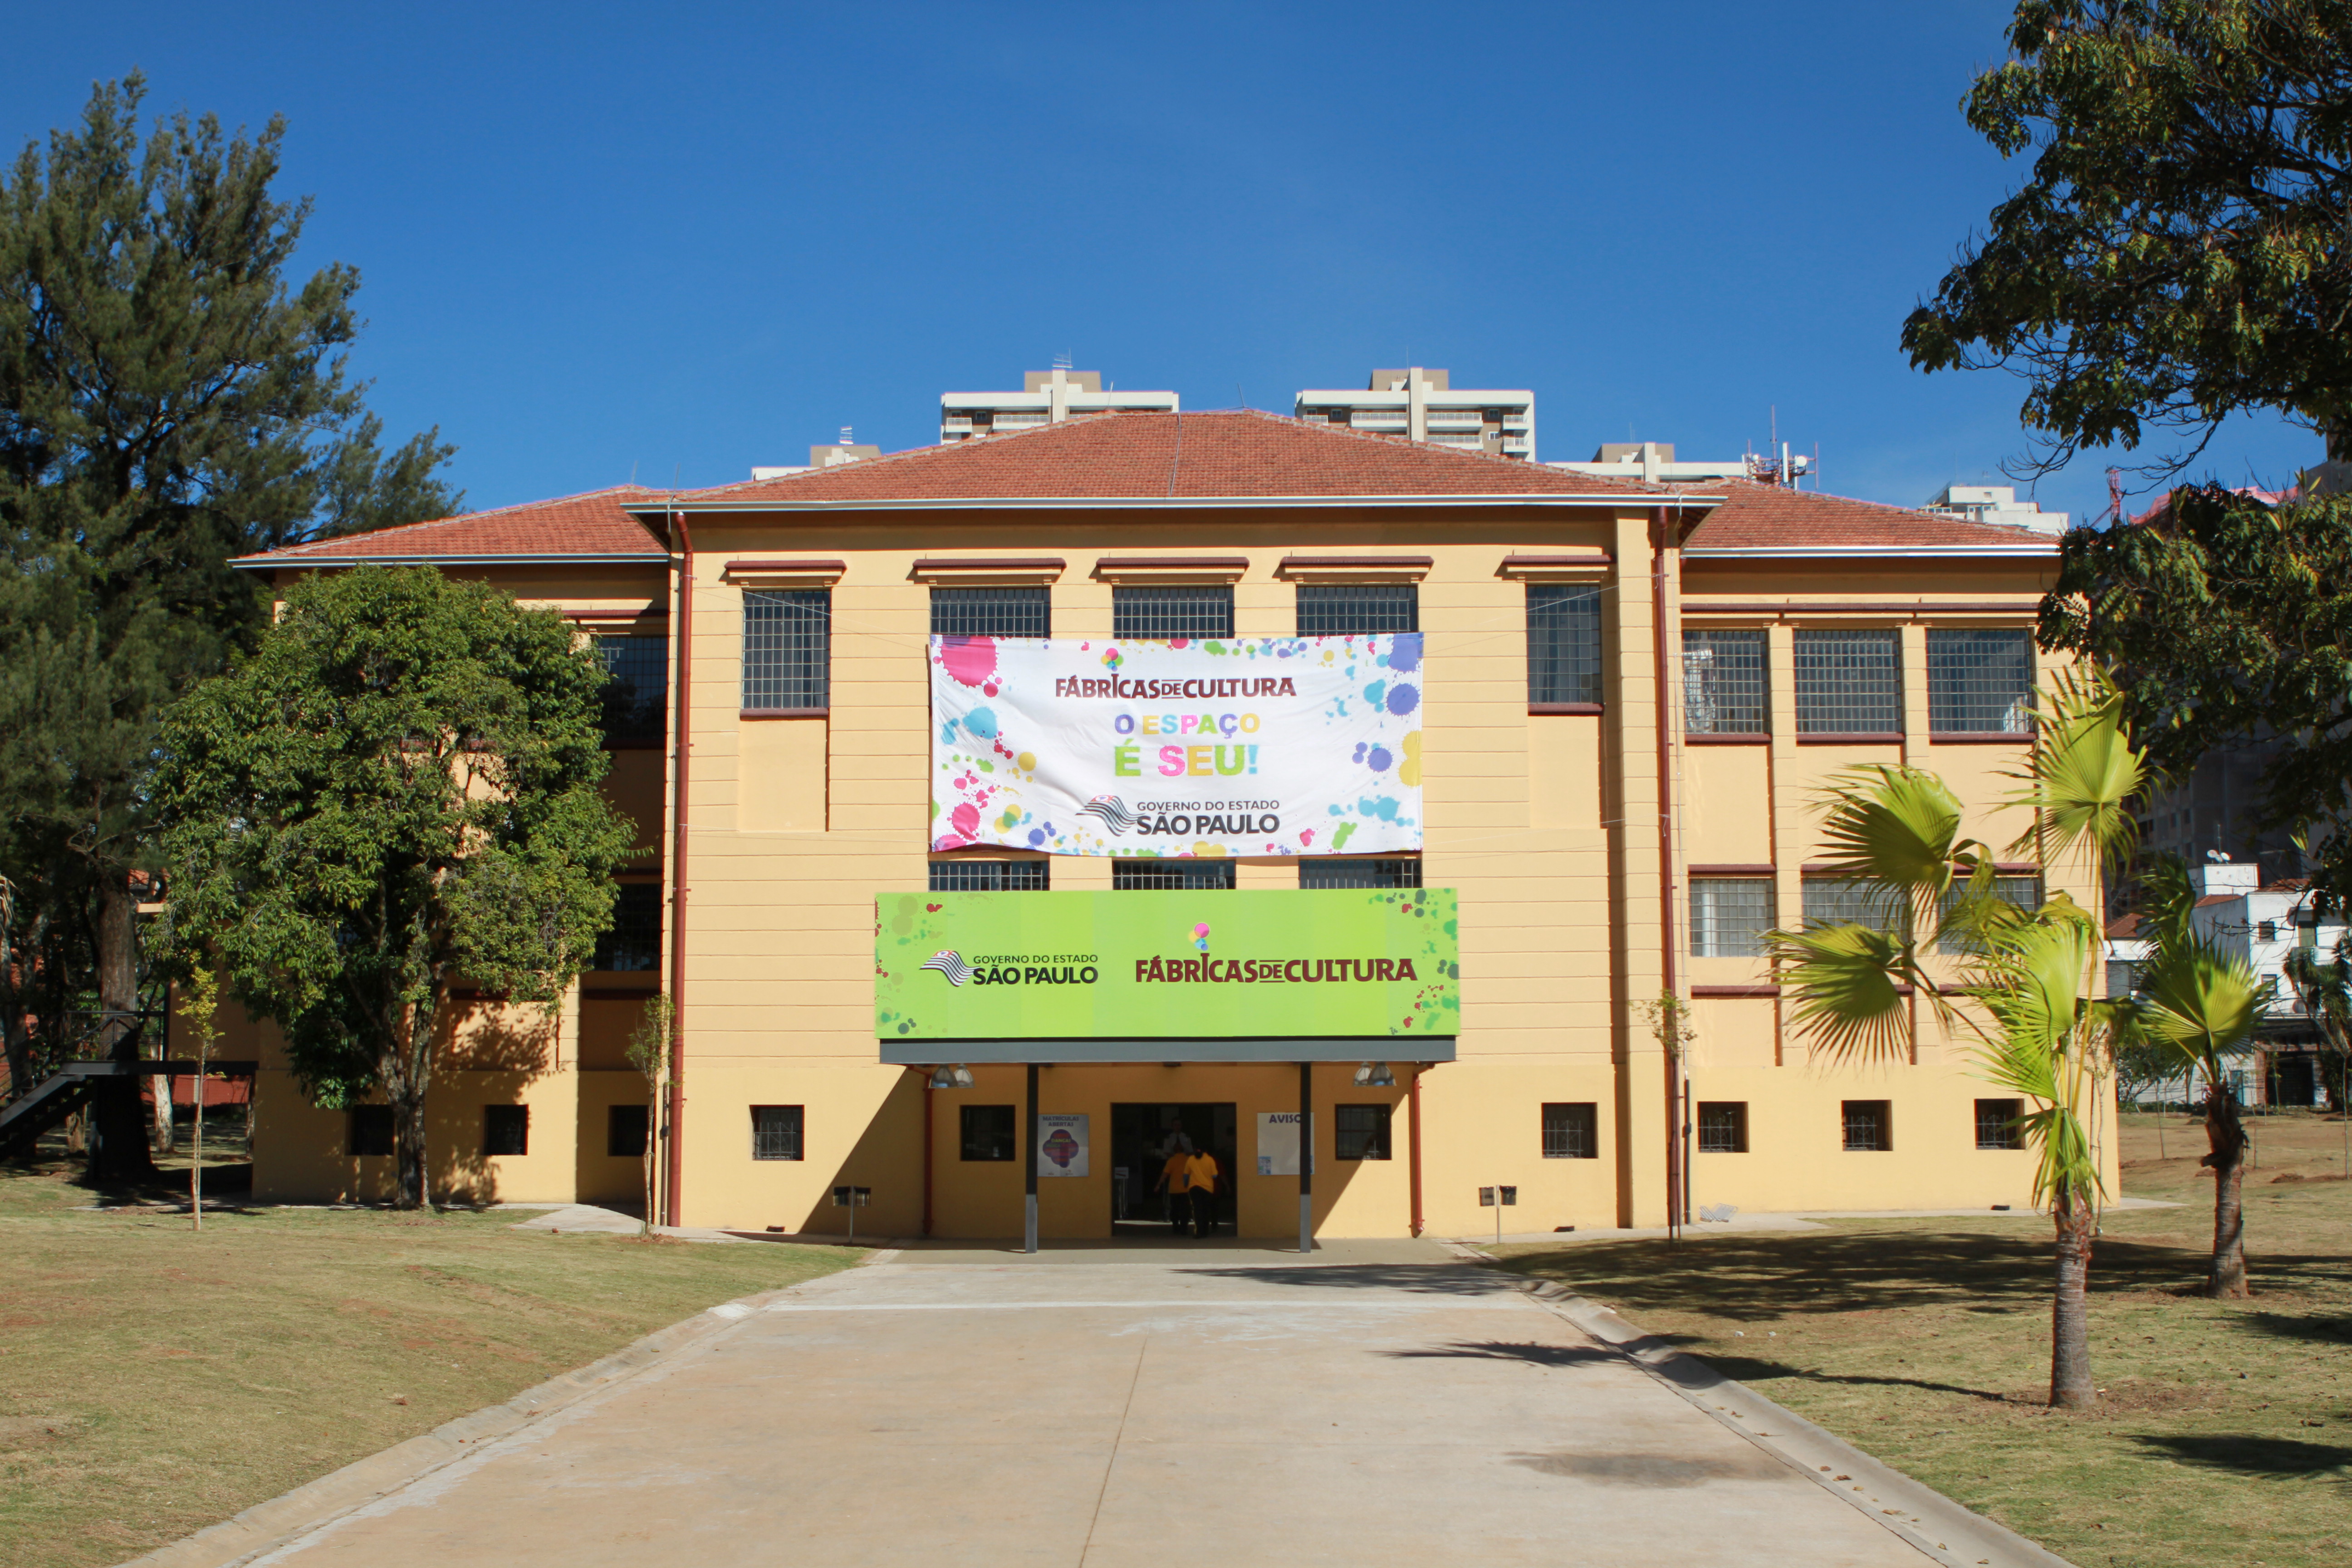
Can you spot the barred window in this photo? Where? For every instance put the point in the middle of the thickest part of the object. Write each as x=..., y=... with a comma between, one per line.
x=1728, y=916
x=1723, y=1127
x=1341, y=872
x=1849, y=683
x=2022, y=892
x=506, y=1130
x=635, y=696
x=1357, y=609
x=1563, y=643
x=1201, y=610
x=992, y=612
x=626, y=1131
x=787, y=650
x=988, y=876
x=1360, y=1132
x=1869, y=1125
x=634, y=940
x=1723, y=683
x=1831, y=902
x=1136, y=875
x=1979, y=680
x=1571, y=1131
x=988, y=1135
x=1996, y=1124
x=370, y=1132
x=776, y=1131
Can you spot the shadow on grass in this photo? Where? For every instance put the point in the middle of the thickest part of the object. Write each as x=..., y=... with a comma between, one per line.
x=2249, y=1456
x=2329, y=1330
x=1747, y=1369
x=1500, y=1350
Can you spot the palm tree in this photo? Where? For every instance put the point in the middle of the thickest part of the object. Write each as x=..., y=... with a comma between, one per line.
x=2203, y=1004
x=2026, y=987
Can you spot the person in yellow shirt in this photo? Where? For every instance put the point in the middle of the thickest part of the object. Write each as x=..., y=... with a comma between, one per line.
x=1172, y=1181
x=1200, y=1176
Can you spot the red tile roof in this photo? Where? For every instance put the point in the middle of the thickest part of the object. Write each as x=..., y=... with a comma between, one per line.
x=2124, y=928
x=1224, y=454
x=1756, y=516
x=591, y=524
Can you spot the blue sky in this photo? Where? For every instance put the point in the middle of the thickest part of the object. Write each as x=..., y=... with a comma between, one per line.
x=600, y=240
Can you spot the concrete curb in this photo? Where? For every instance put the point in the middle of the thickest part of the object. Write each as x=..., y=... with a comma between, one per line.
x=266, y=1526
x=1924, y=1517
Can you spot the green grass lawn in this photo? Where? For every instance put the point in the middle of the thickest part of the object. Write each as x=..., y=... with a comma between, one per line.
x=153, y=1381
x=2225, y=1432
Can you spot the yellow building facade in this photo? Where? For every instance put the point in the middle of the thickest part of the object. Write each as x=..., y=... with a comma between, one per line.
x=1632, y=697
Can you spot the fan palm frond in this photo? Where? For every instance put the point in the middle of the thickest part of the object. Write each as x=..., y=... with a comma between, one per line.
x=2084, y=771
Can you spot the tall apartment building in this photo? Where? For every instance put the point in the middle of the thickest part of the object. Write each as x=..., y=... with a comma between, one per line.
x=1423, y=405
x=1046, y=398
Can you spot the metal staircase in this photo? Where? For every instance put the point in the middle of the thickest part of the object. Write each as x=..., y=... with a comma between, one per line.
x=72, y=1086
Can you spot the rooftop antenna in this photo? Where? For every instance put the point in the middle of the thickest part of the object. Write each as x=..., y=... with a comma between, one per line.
x=1239, y=393
x=1062, y=361
x=844, y=437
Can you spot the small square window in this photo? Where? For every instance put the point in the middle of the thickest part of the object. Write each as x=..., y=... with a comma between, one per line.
x=776, y=1131
x=988, y=1134
x=1869, y=1126
x=1357, y=609
x=1728, y=916
x=370, y=1132
x=1723, y=1127
x=1563, y=644
x=1979, y=680
x=506, y=1131
x=992, y=612
x=787, y=650
x=1996, y=1124
x=1723, y=683
x=1849, y=683
x=2266, y=931
x=1151, y=614
x=632, y=944
x=961, y=876
x=1360, y=1132
x=626, y=1132
x=1345, y=871
x=1571, y=1131
x=1138, y=875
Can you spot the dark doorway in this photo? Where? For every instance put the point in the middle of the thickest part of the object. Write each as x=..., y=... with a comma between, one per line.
x=2294, y=1079
x=1140, y=1137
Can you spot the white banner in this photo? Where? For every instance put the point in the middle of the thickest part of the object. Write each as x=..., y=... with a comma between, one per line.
x=1242, y=746
x=1061, y=1145
x=1278, y=1144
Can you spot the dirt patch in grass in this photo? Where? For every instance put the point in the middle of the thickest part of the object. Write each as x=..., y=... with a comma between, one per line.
x=2224, y=1435
x=153, y=1381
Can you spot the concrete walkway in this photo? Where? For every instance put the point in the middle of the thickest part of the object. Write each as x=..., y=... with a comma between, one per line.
x=1379, y=1403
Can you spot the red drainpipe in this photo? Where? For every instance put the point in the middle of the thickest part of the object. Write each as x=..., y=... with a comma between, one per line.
x=1412, y=1143
x=672, y=1206
x=1666, y=858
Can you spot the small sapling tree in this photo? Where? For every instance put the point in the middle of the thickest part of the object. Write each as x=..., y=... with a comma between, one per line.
x=648, y=1052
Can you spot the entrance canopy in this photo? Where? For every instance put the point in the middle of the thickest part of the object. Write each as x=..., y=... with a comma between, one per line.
x=1313, y=1048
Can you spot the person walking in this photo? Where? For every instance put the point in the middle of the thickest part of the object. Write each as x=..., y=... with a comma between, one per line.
x=1201, y=1175
x=1174, y=1177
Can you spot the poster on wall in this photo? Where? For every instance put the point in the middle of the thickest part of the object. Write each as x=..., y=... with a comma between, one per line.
x=1278, y=1144
x=1060, y=1146
x=1200, y=747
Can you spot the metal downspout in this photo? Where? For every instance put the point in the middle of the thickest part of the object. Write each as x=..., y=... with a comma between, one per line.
x=672, y=1206
x=1666, y=862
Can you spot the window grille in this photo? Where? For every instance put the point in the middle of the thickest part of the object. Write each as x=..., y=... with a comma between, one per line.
x=2123, y=977
x=988, y=876
x=1831, y=902
x=1996, y=1124
x=787, y=650
x=1335, y=871
x=1360, y=1132
x=988, y=1134
x=370, y=1132
x=1357, y=609
x=1723, y=683
x=1723, y=1127
x=506, y=1130
x=1869, y=1126
x=2022, y=892
x=636, y=695
x=1571, y=1131
x=1728, y=916
x=776, y=1131
x=1201, y=610
x=626, y=1131
x=1979, y=680
x=1849, y=683
x=991, y=612
x=1563, y=643
x=1140, y=875
x=634, y=940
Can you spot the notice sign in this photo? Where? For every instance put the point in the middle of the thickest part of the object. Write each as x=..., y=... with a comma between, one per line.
x=1061, y=1145
x=1190, y=747
x=1278, y=1144
x=1166, y=964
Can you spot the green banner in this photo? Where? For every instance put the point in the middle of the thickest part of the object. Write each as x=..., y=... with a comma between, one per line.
x=1166, y=964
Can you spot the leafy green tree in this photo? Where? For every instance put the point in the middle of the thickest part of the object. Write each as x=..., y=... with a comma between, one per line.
x=167, y=403
x=2176, y=254
x=396, y=793
x=2225, y=620
x=2025, y=988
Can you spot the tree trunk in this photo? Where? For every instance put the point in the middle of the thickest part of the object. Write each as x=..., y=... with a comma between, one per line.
x=2070, y=1313
x=406, y=1072
x=408, y=1139
x=2227, y=1135
x=118, y=1145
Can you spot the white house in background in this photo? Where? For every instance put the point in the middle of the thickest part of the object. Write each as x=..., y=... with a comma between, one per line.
x=2263, y=925
x=1424, y=406
x=1998, y=504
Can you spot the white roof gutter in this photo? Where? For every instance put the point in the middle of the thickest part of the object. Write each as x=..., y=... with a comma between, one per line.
x=281, y=563
x=1163, y=503
x=1868, y=552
